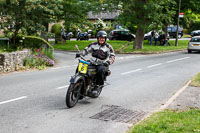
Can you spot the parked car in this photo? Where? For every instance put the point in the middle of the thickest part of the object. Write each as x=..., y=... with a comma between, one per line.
x=147, y=36
x=195, y=33
x=121, y=34
x=194, y=44
x=172, y=31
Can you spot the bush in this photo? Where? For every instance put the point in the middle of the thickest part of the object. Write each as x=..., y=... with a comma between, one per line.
x=56, y=29
x=195, y=26
x=34, y=42
x=39, y=59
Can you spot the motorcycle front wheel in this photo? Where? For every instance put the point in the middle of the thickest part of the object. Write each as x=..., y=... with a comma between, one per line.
x=73, y=93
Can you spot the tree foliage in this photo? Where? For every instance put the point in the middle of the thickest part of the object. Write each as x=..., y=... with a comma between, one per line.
x=28, y=16
x=191, y=11
x=141, y=14
x=75, y=12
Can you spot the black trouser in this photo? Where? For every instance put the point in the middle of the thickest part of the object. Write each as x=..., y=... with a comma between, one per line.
x=100, y=74
x=101, y=70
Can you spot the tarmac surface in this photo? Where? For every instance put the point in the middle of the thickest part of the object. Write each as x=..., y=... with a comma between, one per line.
x=189, y=98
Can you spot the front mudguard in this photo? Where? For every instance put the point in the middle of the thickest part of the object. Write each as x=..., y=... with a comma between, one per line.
x=74, y=79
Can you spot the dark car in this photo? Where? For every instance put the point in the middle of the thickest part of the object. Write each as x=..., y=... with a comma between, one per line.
x=121, y=34
x=172, y=31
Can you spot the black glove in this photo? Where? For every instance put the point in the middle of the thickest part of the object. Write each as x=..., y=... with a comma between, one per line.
x=106, y=63
x=78, y=55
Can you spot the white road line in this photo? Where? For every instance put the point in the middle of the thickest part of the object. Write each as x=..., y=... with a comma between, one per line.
x=154, y=65
x=131, y=71
x=12, y=100
x=62, y=87
x=178, y=59
x=127, y=57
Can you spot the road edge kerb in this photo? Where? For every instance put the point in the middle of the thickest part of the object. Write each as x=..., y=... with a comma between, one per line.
x=164, y=106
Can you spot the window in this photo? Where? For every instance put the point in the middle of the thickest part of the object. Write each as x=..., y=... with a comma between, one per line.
x=169, y=29
x=195, y=40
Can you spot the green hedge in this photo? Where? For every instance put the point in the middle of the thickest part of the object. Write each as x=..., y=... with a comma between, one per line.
x=35, y=42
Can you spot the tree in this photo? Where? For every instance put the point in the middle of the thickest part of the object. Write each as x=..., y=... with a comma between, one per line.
x=168, y=12
x=140, y=14
x=75, y=12
x=28, y=16
x=191, y=11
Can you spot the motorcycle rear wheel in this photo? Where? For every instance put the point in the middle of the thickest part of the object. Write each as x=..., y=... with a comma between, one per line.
x=73, y=93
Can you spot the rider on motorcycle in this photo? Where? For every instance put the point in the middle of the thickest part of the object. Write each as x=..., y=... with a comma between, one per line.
x=102, y=54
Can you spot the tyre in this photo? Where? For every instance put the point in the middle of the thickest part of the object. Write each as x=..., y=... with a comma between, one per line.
x=189, y=51
x=73, y=93
x=179, y=36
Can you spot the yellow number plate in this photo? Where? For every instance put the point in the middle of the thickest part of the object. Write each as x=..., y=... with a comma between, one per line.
x=82, y=68
x=195, y=44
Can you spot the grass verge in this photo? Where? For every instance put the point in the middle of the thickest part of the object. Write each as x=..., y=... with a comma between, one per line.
x=186, y=36
x=70, y=45
x=196, y=81
x=169, y=121
x=126, y=47
x=182, y=45
x=172, y=121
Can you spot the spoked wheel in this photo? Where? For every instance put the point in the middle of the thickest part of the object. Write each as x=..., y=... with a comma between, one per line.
x=73, y=93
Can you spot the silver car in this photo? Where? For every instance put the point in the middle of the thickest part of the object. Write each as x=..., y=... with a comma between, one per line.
x=194, y=44
x=195, y=33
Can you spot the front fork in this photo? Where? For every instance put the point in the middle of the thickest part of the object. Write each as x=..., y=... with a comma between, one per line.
x=74, y=79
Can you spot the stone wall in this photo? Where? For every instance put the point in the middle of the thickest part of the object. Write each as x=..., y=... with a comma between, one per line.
x=14, y=61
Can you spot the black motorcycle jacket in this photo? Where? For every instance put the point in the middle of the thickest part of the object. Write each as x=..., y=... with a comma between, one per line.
x=100, y=53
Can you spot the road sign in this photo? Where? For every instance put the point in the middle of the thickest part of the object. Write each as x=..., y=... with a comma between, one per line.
x=181, y=15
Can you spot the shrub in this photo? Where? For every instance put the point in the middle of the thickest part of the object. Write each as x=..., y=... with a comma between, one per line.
x=56, y=29
x=34, y=42
x=195, y=26
x=39, y=59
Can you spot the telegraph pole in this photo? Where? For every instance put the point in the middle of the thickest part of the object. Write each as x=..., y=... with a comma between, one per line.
x=177, y=30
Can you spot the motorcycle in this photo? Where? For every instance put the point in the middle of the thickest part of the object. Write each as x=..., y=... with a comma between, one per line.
x=83, y=82
x=83, y=36
x=65, y=35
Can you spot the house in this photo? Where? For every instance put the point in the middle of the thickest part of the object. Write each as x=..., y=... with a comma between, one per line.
x=107, y=16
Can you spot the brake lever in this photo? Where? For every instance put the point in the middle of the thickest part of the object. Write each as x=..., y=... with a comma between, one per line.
x=76, y=46
x=80, y=52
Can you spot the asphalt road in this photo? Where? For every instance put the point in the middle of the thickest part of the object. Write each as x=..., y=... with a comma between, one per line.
x=34, y=101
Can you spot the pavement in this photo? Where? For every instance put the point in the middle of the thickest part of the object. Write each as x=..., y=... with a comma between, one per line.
x=189, y=98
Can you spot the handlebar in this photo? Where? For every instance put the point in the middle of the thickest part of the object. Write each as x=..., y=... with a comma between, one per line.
x=94, y=63
x=76, y=46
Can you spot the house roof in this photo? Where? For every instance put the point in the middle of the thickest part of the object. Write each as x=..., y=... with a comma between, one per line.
x=104, y=16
